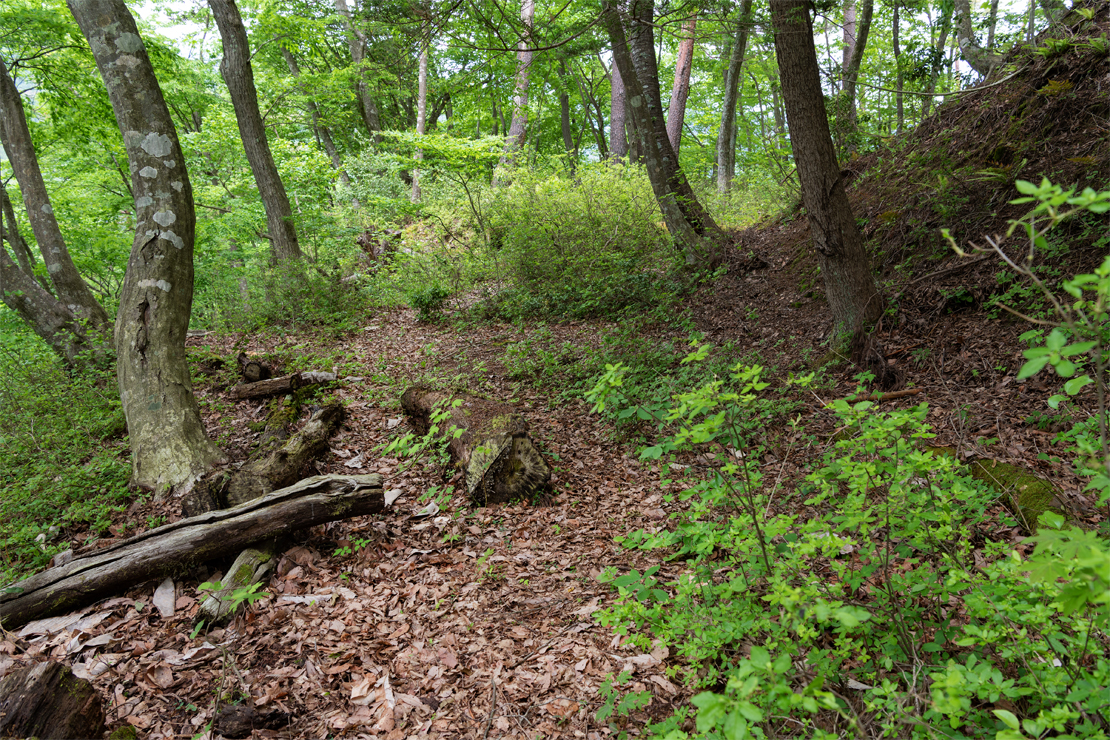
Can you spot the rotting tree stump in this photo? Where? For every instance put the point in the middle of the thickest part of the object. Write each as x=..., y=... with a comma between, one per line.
x=495, y=452
x=175, y=548
x=46, y=700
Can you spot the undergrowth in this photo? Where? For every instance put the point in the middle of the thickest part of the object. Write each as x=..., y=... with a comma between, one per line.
x=63, y=461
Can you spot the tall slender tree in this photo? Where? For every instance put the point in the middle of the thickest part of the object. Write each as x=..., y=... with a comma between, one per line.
x=726, y=135
x=862, y=11
x=239, y=77
x=518, y=128
x=356, y=44
x=693, y=230
x=981, y=59
x=16, y=139
x=618, y=104
x=849, y=285
x=169, y=447
x=680, y=90
x=321, y=129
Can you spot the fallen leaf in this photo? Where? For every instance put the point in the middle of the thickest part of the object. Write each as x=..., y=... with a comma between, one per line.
x=164, y=600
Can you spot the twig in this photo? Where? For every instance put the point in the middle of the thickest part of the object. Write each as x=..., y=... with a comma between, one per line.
x=492, y=704
x=951, y=268
x=880, y=396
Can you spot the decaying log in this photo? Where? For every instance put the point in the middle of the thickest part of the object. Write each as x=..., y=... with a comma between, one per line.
x=495, y=452
x=177, y=547
x=253, y=565
x=46, y=700
x=240, y=720
x=284, y=384
x=252, y=370
x=285, y=465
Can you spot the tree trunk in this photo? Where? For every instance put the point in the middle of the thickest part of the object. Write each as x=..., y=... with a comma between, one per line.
x=356, y=43
x=322, y=131
x=168, y=443
x=983, y=61
x=862, y=14
x=274, y=386
x=937, y=63
x=726, y=135
x=174, y=548
x=46, y=700
x=235, y=67
x=992, y=23
x=518, y=129
x=9, y=232
x=899, y=82
x=564, y=115
x=16, y=139
x=495, y=453
x=48, y=317
x=421, y=114
x=849, y=286
x=680, y=91
x=691, y=227
x=618, y=105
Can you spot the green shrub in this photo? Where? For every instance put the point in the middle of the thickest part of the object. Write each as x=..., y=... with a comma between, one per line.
x=63, y=460
x=429, y=301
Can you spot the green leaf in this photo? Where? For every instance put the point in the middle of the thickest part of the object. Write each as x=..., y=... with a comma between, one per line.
x=1025, y=188
x=1075, y=385
x=1032, y=367
x=1008, y=719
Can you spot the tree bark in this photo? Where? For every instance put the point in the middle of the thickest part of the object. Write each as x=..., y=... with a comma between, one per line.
x=253, y=565
x=680, y=91
x=421, y=114
x=862, y=13
x=9, y=232
x=518, y=129
x=691, y=227
x=726, y=135
x=564, y=115
x=274, y=386
x=849, y=286
x=322, y=131
x=174, y=548
x=618, y=115
x=495, y=453
x=982, y=60
x=46, y=700
x=938, y=57
x=16, y=139
x=356, y=43
x=168, y=443
x=48, y=317
x=899, y=81
x=235, y=67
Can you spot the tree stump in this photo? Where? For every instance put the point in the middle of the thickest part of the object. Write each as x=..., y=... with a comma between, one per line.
x=253, y=565
x=495, y=452
x=47, y=701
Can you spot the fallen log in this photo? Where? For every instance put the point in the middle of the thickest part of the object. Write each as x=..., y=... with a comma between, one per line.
x=251, y=369
x=177, y=547
x=252, y=566
x=285, y=465
x=284, y=384
x=495, y=452
x=46, y=700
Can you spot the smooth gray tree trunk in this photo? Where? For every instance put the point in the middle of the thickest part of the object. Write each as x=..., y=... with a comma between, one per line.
x=862, y=12
x=48, y=317
x=726, y=135
x=845, y=268
x=934, y=73
x=421, y=115
x=235, y=67
x=569, y=146
x=518, y=128
x=169, y=447
x=9, y=232
x=16, y=139
x=899, y=81
x=693, y=230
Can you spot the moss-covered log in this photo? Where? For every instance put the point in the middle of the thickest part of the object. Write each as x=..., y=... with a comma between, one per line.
x=1024, y=494
x=253, y=565
x=177, y=547
x=495, y=452
x=46, y=700
x=284, y=466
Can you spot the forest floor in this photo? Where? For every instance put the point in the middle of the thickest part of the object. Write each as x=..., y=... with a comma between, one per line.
x=479, y=623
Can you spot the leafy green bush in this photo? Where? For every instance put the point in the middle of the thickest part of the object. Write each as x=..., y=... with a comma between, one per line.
x=429, y=301
x=870, y=600
x=62, y=457
x=581, y=246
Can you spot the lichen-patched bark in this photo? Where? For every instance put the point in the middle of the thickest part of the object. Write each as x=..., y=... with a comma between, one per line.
x=16, y=139
x=168, y=443
x=46, y=315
